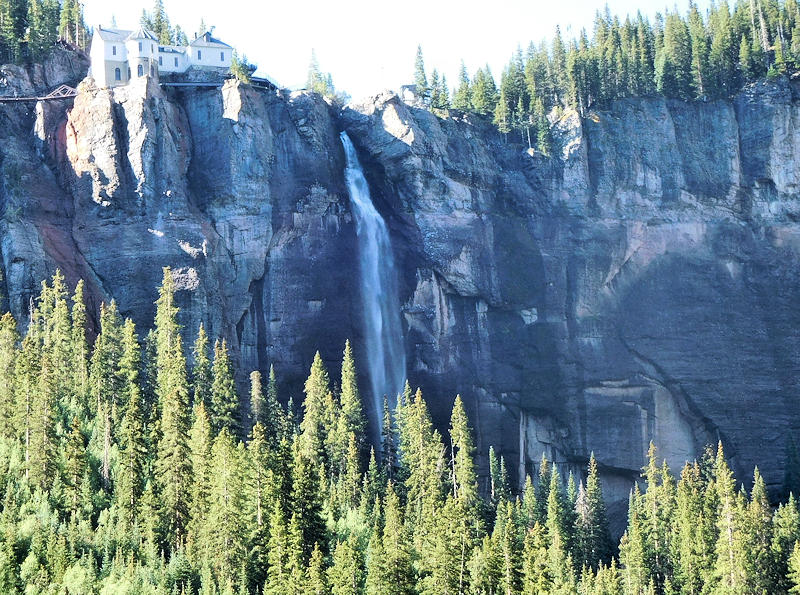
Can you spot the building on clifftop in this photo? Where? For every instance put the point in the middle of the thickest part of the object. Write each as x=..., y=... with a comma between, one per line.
x=119, y=56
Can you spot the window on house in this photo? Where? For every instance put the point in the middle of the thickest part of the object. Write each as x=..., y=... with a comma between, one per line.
x=176, y=62
x=199, y=54
x=140, y=46
x=113, y=50
x=140, y=70
x=129, y=73
x=161, y=60
x=117, y=74
x=222, y=56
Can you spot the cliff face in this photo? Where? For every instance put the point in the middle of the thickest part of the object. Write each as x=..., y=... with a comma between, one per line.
x=640, y=284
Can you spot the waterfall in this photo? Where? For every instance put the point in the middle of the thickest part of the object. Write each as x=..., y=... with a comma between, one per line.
x=386, y=359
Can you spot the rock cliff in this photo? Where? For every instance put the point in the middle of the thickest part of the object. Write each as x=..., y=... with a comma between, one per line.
x=639, y=284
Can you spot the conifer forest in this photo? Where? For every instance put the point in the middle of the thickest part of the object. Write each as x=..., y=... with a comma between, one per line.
x=132, y=461
x=127, y=470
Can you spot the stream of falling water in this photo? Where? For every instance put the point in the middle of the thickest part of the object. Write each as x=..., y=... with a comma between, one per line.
x=386, y=360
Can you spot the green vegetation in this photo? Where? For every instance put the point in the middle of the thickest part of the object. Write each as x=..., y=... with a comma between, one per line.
x=322, y=82
x=687, y=57
x=29, y=28
x=125, y=470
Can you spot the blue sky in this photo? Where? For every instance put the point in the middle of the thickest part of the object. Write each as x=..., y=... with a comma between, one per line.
x=369, y=45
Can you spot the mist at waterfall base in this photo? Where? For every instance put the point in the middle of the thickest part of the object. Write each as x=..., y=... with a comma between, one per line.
x=383, y=332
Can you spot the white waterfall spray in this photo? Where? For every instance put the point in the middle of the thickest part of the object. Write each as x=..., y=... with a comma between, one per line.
x=386, y=360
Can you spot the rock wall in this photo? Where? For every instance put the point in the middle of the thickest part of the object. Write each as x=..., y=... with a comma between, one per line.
x=639, y=284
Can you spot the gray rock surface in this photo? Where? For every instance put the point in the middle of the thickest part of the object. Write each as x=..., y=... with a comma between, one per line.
x=640, y=284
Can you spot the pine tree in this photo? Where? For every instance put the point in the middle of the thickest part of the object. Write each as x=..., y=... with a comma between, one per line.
x=133, y=458
x=8, y=356
x=633, y=549
x=351, y=422
x=202, y=378
x=316, y=580
x=699, y=41
x=758, y=527
x=275, y=424
x=462, y=99
x=225, y=530
x=506, y=543
x=484, y=92
x=786, y=527
x=388, y=442
x=396, y=571
x=463, y=477
x=794, y=569
x=315, y=424
x=420, y=79
x=307, y=503
x=593, y=538
x=161, y=26
x=224, y=401
x=536, y=576
x=257, y=405
x=42, y=450
x=674, y=60
x=200, y=443
x=502, y=115
x=278, y=548
x=173, y=463
x=346, y=574
x=729, y=572
x=74, y=466
x=261, y=489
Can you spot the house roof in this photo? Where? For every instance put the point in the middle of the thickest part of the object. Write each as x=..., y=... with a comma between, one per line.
x=108, y=34
x=142, y=33
x=171, y=49
x=208, y=39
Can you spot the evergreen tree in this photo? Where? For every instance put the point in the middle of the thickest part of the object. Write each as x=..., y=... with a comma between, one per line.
x=462, y=99
x=42, y=442
x=673, y=67
x=307, y=503
x=8, y=356
x=202, y=377
x=200, y=443
x=317, y=581
x=257, y=404
x=397, y=574
x=278, y=548
x=346, y=574
x=225, y=530
x=161, y=26
x=133, y=458
x=730, y=570
x=593, y=538
x=484, y=92
x=315, y=423
x=173, y=463
x=351, y=422
x=75, y=466
x=224, y=401
x=420, y=79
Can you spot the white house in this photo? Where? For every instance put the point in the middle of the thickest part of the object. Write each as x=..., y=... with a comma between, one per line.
x=118, y=55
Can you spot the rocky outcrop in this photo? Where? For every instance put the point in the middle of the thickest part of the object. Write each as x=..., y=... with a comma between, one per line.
x=639, y=284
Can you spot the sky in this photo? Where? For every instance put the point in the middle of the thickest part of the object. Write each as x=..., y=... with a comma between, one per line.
x=370, y=45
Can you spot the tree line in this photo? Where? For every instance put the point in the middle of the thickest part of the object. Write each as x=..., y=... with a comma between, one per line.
x=30, y=28
x=126, y=469
x=689, y=56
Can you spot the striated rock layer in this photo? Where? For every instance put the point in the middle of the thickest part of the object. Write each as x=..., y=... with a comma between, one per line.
x=640, y=284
